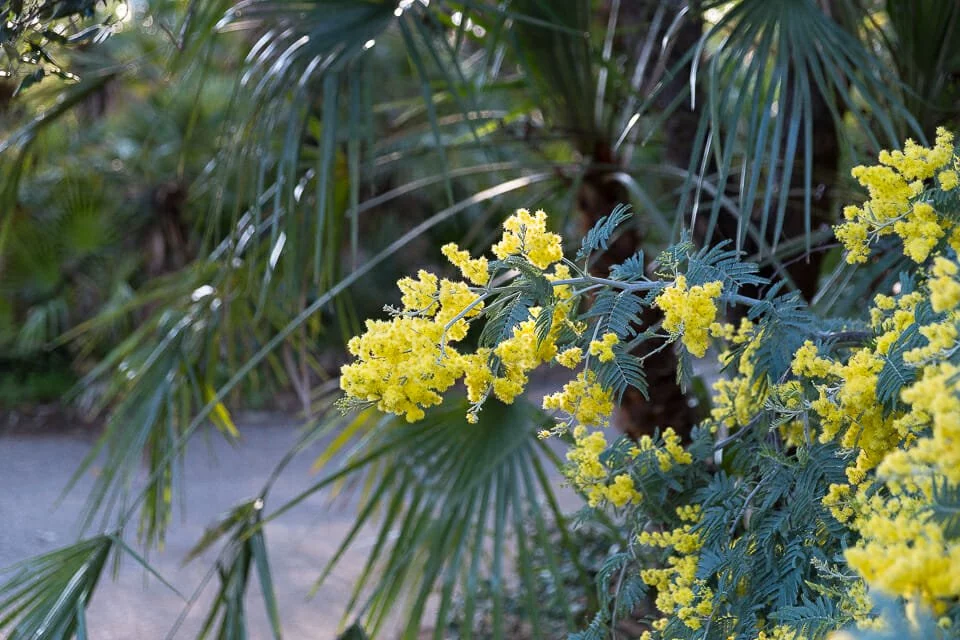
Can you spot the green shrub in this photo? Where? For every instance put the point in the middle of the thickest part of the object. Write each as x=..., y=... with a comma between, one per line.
x=828, y=475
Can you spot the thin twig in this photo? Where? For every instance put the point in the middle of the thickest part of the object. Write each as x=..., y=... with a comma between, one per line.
x=746, y=504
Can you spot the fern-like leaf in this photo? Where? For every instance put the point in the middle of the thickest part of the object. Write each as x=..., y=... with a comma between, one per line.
x=629, y=270
x=618, y=311
x=599, y=236
x=946, y=507
x=500, y=326
x=718, y=263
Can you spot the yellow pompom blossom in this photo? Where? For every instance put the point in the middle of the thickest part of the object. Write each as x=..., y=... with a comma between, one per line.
x=736, y=400
x=894, y=187
x=690, y=312
x=916, y=162
x=419, y=296
x=560, y=272
x=670, y=455
x=936, y=397
x=526, y=234
x=948, y=180
x=582, y=398
x=457, y=300
x=569, y=358
x=603, y=348
x=622, y=491
x=475, y=270
x=840, y=502
x=941, y=341
x=904, y=552
x=854, y=236
x=477, y=376
x=405, y=364
x=807, y=362
x=589, y=473
x=920, y=230
x=591, y=476
x=944, y=286
x=400, y=366
x=847, y=406
x=679, y=592
x=519, y=355
x=586, y=471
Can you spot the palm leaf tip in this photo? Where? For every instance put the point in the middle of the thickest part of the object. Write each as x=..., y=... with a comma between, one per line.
x=45, y=597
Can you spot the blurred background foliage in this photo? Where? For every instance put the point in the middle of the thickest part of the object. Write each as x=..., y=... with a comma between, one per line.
x=191, y=193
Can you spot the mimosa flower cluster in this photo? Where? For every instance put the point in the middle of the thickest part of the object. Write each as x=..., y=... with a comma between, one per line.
x=679, y=592
x=690, y=312
x=406, y=364
x=899, y=188
x=908, y=447
x=826, y=473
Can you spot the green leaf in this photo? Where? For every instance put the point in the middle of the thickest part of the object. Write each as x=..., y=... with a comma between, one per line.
x=437, y=485
x=599, y=236
x=625, y=370
x=45, y=597
x=946, y=507
x=630, y=270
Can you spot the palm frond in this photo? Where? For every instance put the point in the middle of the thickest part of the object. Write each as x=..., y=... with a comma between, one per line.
x=46, y=597
x=442, y=495
x=770, y=70
x=244, y=552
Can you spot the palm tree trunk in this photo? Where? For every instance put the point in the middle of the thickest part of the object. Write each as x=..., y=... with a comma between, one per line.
x=599, y=194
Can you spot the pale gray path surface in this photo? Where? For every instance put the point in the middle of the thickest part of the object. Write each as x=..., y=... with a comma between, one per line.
x=35, y=469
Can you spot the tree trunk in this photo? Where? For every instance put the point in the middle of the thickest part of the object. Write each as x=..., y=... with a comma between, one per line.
x=668, y=405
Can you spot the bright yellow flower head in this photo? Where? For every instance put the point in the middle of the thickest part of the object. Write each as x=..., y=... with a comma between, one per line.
x=807, y=362
x=527, y=235
x=455, y=299
x=603, y=348
x=584, y=399
x=690, y=312
x=569, y=358
x=475, y=270
x=854, y=237
x=622, y=491
x=420, y=295
x=948, y=180
x=920, y=230
x=679, y=592
x=400, y=366
x=944, y=287
x=894, y=187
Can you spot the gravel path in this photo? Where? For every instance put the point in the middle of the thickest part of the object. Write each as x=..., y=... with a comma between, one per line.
x=34, y=469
